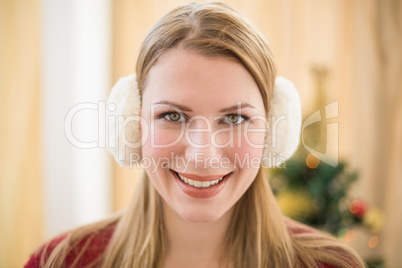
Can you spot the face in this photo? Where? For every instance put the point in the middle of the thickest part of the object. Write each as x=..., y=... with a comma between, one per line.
x=204, y=128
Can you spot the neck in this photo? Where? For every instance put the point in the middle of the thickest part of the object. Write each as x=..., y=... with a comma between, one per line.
x=191, y=244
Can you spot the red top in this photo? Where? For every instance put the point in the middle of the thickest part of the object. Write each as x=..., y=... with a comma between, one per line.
x=98, y=245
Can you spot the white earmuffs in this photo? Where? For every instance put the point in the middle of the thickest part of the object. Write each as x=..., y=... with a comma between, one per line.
x=283, y=126
x=284, y=122
x=125, y=131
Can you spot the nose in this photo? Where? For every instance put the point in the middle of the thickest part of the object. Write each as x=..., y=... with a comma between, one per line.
x=199, y=149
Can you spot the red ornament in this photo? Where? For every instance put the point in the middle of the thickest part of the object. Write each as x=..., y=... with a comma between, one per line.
x=358, y=208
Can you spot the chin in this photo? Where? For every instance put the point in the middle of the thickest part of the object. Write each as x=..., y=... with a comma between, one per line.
x=197, y=216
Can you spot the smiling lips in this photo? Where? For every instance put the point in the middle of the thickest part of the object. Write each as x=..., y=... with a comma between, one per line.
x=200, y=186
x=200, y=181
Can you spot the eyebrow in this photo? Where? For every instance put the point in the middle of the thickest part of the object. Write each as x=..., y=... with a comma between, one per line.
x=175, y=105
x=235, y=107
x=238, y=106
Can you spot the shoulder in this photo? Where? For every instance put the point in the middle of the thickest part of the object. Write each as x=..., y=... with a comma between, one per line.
x=323, y=247
x=87, y=249
x=296, y=228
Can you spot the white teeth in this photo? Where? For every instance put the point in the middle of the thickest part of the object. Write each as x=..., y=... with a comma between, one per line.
x=199, y=184
x=205, y=184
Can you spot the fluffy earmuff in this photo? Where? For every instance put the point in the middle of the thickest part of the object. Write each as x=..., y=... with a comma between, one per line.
x=124, y=102
x=284, y=123
x=283, y=126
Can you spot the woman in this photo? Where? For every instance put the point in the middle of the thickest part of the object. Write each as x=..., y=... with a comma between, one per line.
x=204, y=112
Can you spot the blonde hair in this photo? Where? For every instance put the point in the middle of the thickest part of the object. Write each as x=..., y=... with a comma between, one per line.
x=259, y=235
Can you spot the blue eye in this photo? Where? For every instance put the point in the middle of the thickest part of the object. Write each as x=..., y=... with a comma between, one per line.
x=173, y=116
x=234, y=119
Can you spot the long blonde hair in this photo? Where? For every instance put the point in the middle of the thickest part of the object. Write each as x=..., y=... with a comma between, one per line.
x=259, y=235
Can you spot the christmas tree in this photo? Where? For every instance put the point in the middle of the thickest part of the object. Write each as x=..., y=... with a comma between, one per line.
x=316, y=193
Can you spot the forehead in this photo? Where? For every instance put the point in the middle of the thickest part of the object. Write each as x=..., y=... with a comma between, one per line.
x=202, y=82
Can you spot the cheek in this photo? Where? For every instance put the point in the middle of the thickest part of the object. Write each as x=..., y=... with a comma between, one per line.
x=161, y=148
x=247, y=137
x=161, y=133
x=254, y=142
x=251, y=149
x=165, y=138
x=247, y=150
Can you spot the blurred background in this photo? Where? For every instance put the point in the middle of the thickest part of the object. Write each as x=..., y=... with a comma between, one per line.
x=60, y=58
